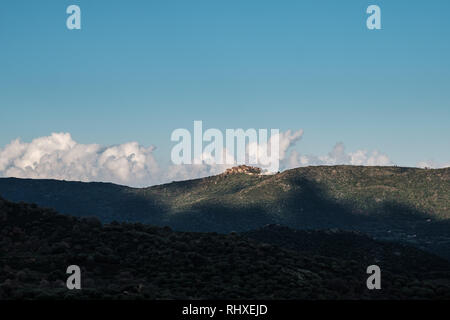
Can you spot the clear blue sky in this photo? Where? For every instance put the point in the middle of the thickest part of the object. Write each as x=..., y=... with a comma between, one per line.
x=139, y=69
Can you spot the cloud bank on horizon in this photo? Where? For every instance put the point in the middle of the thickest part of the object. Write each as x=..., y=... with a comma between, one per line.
x=60, y=157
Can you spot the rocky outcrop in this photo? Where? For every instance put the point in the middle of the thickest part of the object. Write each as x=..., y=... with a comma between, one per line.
x=243, y=169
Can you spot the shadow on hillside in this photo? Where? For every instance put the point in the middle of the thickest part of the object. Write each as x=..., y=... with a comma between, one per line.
x=106, y=201
x=311, y=206
x=307, y=206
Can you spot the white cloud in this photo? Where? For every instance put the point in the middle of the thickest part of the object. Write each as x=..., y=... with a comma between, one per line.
x=285, y=140
x=58, y=156
x=338, y=156
x=432, y=164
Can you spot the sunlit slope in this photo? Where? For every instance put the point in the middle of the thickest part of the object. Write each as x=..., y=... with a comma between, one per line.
x=360, y=190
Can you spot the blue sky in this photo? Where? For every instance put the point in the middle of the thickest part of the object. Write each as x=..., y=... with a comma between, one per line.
x=140, y=69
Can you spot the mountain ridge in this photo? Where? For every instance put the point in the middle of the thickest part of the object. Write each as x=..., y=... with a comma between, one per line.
x=409, y=205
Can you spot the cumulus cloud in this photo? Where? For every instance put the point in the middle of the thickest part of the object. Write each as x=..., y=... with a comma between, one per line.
x=58, y=156
x=338, y=156
x=262, y=149
x=272, y=152
x=287, y=140
x=432, y=164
